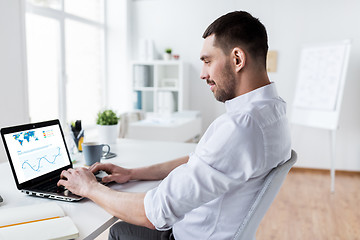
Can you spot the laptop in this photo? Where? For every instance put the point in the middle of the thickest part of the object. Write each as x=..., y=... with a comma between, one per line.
x=37, y=154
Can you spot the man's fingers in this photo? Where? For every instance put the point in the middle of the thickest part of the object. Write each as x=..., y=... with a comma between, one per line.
x=95, y=167
x=63, y=174
x=61, y=182
x=119, y=178
x=107, y=178
x=66, y=173
x=101, y=167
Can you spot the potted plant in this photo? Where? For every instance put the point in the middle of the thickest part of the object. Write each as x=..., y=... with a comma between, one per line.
x=167, y=54
x=108, y=125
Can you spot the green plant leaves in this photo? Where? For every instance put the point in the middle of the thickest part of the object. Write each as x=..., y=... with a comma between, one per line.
x=107, y=117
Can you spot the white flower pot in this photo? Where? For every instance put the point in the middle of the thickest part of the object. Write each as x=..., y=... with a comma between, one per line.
x=167, y=56
x=108, y=133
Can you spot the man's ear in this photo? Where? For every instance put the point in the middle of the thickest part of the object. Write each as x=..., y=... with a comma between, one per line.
x=239, y=58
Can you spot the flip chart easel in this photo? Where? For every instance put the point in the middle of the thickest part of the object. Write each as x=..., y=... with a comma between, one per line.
x=320, y=88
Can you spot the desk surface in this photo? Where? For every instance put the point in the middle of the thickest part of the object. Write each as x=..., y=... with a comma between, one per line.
x=90, y=219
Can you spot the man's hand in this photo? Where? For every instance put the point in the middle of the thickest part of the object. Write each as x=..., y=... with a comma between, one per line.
x=115, y=173
x=79, y=181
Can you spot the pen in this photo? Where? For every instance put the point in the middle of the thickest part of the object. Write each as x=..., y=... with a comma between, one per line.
x=80, y=133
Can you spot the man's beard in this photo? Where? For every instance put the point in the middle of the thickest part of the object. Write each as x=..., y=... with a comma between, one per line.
x=227, y=91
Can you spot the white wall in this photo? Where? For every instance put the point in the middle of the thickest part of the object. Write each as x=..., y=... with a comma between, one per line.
x=118, y=84
x=13, y=93
x=180, y=24
x=290, y=24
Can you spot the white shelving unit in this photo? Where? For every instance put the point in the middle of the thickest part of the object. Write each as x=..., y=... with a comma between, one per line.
x=159, y=86
x=161, y=91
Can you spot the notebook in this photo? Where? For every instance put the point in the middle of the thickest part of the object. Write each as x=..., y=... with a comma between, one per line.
x=37, y=154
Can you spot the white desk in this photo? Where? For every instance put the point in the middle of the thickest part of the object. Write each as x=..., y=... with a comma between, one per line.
x=90, y=219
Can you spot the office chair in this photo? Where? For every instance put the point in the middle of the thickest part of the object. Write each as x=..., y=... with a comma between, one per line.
x=263, y=200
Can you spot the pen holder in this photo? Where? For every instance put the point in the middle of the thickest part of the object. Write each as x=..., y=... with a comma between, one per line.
x=78, y=139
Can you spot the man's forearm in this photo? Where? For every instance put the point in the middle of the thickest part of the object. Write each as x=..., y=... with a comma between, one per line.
x=128, y=207
x=157, y=171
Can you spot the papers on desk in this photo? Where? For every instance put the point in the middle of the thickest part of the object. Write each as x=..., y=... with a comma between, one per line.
x=40, y=221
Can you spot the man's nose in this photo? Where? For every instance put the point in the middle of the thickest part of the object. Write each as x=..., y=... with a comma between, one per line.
x=204, y=74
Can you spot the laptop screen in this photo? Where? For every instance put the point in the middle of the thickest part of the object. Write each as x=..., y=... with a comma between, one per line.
x=36, y=152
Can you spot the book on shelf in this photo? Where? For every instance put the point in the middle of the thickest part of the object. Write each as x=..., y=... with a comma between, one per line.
x=138, y=100
x=39, y=221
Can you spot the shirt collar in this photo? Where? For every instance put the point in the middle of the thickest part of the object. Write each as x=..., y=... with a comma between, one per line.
x=265, y=92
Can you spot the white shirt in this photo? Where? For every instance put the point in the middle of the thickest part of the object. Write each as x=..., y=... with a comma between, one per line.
x=208, y=197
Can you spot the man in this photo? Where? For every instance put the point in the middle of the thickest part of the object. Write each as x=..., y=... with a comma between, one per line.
x=206, y=195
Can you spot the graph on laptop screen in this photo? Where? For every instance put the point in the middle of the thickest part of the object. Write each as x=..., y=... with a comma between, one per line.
x=37, y=152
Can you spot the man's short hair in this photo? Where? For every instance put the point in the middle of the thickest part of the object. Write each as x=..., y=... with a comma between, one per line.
x=240, y=29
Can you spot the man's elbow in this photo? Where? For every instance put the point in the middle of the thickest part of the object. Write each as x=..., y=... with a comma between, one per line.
x=148, y=224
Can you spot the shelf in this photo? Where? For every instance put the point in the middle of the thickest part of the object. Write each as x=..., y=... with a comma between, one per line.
x=158, y=86
x=170, y=89
x=144, y=89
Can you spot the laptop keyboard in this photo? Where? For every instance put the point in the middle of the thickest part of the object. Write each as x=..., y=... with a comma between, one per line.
x=54, y=188
x=51, y=187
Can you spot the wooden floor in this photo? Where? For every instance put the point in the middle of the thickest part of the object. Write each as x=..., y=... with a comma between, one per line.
x=306, y=209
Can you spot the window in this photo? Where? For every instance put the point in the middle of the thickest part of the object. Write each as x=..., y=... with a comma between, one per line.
x=65, y=55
